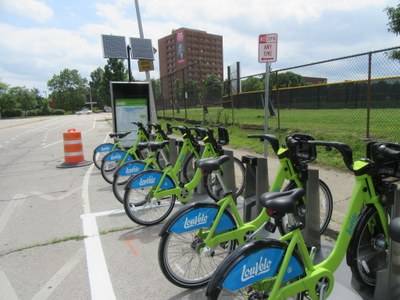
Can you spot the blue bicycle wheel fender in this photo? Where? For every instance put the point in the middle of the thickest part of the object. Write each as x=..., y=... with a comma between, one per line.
x=260, y=264
x=117, y=155
x=150, y=178
x=107, y=147
x=131, y=168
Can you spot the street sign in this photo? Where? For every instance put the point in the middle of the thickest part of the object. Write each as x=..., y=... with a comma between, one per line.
x=267, y=47
x=145, y=65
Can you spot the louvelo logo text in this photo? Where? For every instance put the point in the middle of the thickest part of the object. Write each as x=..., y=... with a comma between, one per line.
x=257, y=269
x=199, y=219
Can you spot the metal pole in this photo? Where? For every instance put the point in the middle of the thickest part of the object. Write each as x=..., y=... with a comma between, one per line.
x=267, y=68
x=153, y=114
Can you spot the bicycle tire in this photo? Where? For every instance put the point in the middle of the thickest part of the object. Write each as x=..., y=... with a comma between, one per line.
x=98, y=155
x=121, y=178
x=188, y=167
x=143, y=208
x=214, y=189
x=367, y=251
x=216, y=288
x=179, y=254
x=326, y=208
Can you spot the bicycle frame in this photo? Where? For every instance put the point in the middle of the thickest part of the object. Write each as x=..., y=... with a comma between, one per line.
x=159, y=192
x=285, y=172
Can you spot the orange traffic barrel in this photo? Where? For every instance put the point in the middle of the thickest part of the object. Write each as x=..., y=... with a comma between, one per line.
x=73, y=150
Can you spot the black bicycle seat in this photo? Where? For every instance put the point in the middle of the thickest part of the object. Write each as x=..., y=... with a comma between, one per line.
x=211, y=164
x=118, y=134
x=143, y=145
x=154, y=146
x=282, y=202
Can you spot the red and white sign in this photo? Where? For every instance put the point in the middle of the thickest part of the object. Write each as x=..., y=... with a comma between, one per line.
x=267, y=47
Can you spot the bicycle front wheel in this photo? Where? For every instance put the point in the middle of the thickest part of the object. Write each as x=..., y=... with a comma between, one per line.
x=144, y=209
x=214, y=188
x=325, y=208
x=367, y=252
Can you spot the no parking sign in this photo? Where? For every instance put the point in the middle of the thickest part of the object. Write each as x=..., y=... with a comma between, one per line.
x=267, y=47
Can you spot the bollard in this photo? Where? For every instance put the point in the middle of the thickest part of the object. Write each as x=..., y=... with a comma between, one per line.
x=173, y=152
x=256, y=183
x=73, y=150
x=311, y=231
x=388, y=278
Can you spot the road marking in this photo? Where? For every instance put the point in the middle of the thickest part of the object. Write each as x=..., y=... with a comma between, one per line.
x=99, y=277
x=8, y=211
x=62, y=273
x=128, y=241
x=7, y=291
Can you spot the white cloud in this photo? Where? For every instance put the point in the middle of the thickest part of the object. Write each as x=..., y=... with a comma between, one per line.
x=34, y=9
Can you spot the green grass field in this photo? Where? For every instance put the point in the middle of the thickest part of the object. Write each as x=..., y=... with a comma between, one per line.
x=343, y=125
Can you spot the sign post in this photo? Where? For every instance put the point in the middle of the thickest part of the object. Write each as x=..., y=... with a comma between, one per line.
x=267, y=53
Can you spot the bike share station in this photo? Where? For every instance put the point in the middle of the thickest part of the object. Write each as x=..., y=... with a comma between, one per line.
x=388, y=278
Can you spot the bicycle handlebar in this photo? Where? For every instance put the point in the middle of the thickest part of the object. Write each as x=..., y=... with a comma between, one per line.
x=343, y=148
x=390, y=153
x=273, y=140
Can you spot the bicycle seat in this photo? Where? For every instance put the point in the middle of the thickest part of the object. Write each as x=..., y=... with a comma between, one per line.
x=282, y=202
x=211, y=164
x=154, y=146
x=143, y=145
x=118, y=134
x=394, y=229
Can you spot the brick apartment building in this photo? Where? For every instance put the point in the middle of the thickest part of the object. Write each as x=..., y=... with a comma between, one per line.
x=188, y=54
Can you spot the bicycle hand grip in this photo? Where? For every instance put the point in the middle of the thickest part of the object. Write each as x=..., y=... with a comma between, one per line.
x=386, y=151
x=343, y=148
x=273, y=140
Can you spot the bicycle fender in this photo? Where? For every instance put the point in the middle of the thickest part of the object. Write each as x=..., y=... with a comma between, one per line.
x=150, y=178
x=131, y=168
x=256, y=261
x=197, y=216
x=117, y=155
x=104, y=147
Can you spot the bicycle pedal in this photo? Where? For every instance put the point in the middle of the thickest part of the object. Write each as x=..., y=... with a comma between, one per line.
x=270, y=227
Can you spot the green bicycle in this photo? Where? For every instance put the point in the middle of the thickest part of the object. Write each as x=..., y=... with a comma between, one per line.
x=150, y=196
x=196, y=238
x=284, y=268
x=114, y=159
x=101, y=150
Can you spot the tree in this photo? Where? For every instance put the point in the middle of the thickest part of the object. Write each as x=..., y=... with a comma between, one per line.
x=113, y=71
x=24, y=97
x=212, y=88
x=95, y=85
x=393, y=14
x=68, y=90
x=287, y=79
x=253, y=84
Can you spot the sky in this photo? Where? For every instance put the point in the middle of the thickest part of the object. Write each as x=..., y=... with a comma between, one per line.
x=40, y=38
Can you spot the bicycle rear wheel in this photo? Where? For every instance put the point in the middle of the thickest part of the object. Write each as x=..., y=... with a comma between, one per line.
x=367, y=252
x=213, y=187
x=99, y=152
x=325, y=208
x=143, y=208
x=234, y=280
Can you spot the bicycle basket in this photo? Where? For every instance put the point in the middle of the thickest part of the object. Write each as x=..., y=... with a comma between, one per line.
x=386, y=166
x=223, y=136
x=301, y=148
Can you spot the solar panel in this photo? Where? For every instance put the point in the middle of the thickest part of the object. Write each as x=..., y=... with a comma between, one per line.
x=114, y=46
x=141, y=48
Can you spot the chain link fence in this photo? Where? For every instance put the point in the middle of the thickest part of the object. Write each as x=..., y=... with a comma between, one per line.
x=357, y=95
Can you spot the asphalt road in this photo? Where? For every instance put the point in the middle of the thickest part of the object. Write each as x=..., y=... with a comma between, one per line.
x=63, y=235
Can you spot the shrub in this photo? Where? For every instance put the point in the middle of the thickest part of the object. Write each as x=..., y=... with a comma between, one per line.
x=58, y=112
x=10, y=113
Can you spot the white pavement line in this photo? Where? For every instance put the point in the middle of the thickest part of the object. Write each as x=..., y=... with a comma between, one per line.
x=7, y=291
x=99, y=277
x=12, y=205
x=62, y=273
